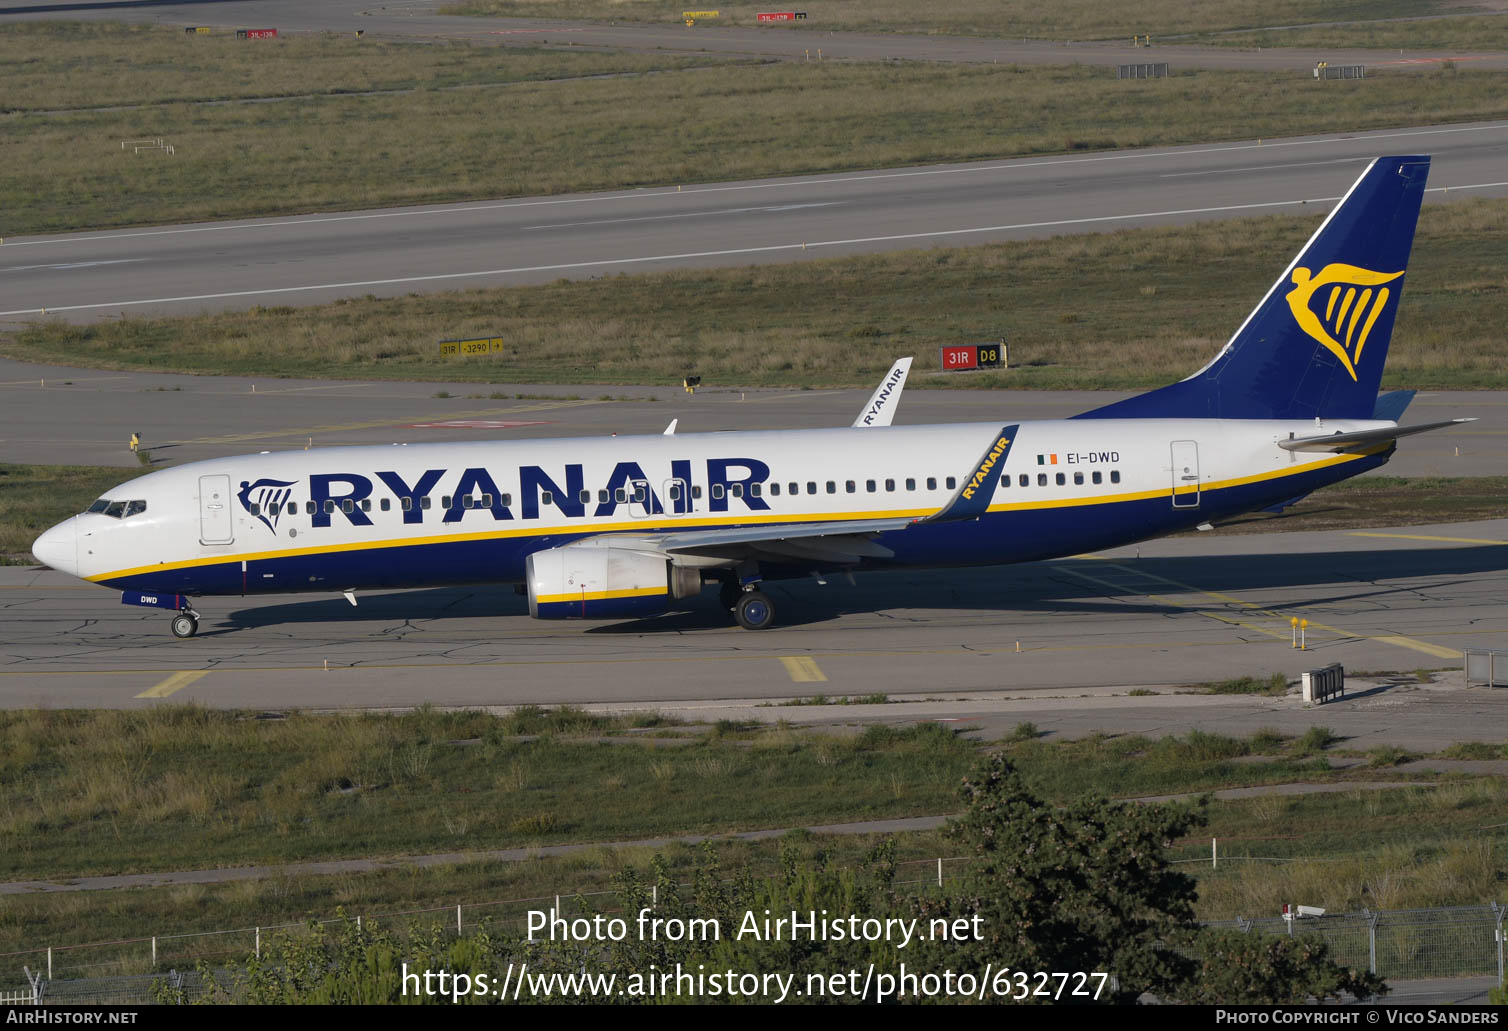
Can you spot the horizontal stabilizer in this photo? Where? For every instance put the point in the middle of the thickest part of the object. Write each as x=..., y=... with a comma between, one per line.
x=1339, y=442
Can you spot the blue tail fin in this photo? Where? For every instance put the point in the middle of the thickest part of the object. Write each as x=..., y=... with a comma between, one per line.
x=1315, y=345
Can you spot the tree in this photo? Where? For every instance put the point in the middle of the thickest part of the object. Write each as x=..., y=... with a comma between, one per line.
x=1264, y=969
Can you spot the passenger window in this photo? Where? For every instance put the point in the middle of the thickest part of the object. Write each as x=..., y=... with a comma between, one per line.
x=811, y=486
x=467, y=501
x=910, y=483
x=255, y=508
x=486, y=501
x=602, y=496
x=734, y=491
x=1095, y=476
x=621, y=495
x=717, y=490
x=424, y=503
x=445, y=501
x=696, y=493
x=292, y=507
x=832, y=488
x=329, y=506
x=1060, y=478
x=890, y=486
x=774, y=490
x=1041, y=479
x=386, y=504
x=793, y=488
x=754, y=489
x=348, y=506
x=546, y=498
x=506, y=500
x=366, y=504
x=1005, y=481
x=641, y=496
x=1023, y=480
x=585, y=497
x=931, y=482
x=408, y=504
x=1115, y=476
x=952, y=482
x=1078, y=479
x=674, y=493
x=310, y=507
x=869, y=485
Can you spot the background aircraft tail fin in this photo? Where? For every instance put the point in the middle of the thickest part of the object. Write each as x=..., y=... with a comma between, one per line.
x=1315, y=344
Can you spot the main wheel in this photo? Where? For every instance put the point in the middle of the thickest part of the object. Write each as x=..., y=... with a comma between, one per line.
x=185, y=625
x=754, y=611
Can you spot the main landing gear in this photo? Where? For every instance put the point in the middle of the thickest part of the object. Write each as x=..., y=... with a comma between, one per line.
x=186, y=623
x=751, y=608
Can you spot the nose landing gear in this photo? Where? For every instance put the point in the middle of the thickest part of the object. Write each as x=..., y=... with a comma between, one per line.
x=186, y=623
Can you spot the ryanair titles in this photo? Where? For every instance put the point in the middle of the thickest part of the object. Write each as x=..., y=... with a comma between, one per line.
x=981, y=474
x=531, y=490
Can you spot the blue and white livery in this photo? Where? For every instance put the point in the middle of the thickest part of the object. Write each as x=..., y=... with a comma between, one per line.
x=634, y=526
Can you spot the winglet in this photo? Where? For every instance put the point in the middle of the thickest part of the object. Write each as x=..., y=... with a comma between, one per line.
x=978, y=488
x=670, y=430
x=882, y=403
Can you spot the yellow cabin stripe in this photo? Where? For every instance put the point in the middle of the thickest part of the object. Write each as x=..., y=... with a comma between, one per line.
x=177, y=682
x=668, y=524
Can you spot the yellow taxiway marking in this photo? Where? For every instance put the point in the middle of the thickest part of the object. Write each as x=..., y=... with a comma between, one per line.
x=1423, y=537
x=803, y=670
x=1283, y=632
x=177, y=682
x=1439, y=651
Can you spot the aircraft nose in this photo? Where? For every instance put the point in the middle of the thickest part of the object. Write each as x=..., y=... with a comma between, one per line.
x=58, y=548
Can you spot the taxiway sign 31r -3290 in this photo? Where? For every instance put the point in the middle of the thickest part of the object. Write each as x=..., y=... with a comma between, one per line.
x=635, y=526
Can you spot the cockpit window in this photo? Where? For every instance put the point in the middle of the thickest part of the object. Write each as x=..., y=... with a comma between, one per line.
x=117, y=509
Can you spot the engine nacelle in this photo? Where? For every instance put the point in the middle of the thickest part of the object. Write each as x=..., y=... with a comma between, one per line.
x=588, y=580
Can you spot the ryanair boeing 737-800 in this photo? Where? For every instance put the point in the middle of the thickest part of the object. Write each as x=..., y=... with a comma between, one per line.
x=634, y=526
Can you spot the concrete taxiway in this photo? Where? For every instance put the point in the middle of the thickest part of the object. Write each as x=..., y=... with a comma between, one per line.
x=56, y=415
x=1175, y=611
x=316, y=258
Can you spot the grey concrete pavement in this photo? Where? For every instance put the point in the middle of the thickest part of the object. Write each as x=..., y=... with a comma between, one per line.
x=1176, y=611
x=317, y=258
x=56, y=415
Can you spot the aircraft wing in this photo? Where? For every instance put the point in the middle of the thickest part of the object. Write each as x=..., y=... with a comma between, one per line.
x=837, y=543
x=881, y=406
x=1339, y=442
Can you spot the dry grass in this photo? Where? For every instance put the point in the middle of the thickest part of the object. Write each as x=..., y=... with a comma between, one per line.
x=34, y=497
x=1070, y=19
x=63, y=171
x=1465, y=35
x=841, y=321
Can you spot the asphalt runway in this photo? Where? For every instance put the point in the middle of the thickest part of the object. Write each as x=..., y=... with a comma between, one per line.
x=317, y=258
x=418, y=20
x=1175, y=611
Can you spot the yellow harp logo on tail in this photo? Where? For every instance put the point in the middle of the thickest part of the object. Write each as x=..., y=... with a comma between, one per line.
x=1354, y=300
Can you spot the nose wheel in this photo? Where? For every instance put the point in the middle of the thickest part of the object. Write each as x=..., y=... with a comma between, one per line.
x=185, y=624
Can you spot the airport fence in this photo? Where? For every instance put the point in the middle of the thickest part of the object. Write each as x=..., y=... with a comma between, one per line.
x=1445, y=942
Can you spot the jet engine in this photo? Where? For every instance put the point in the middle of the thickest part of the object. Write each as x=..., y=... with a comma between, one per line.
x=590, y=580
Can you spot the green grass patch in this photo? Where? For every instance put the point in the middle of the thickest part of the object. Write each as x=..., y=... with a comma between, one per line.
x=1277, y=684
x=1011, y=19
x=1475, y=750
x=1149, y=307
x=1464, y=35
x=34, y=497
x=484, y=122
